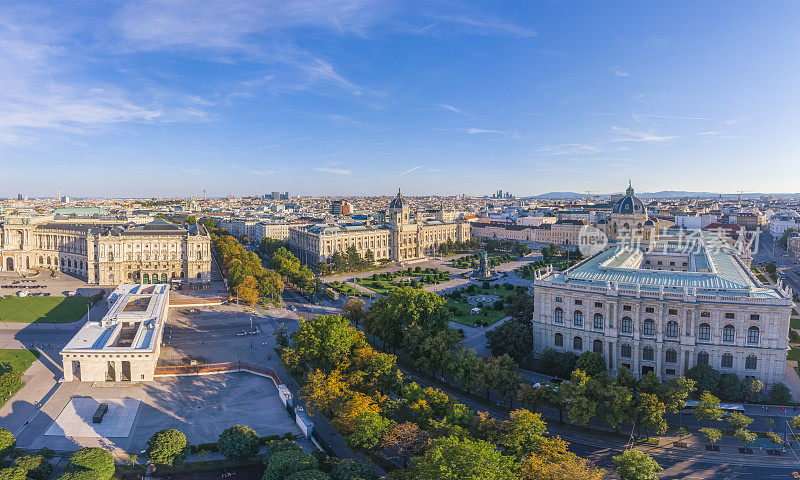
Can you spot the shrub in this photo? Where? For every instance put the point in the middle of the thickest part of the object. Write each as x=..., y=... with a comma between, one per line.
x=37, y=467
x=315, y=474
x=706, y=377
x=7, y=443
x=276, y=446
x=13, y=473
x=238, y=442
x=486, y=285
x=349, y=469
x=167, y=447
x=284, y=463
x=498, y=305
x=94, y=459
x=774, y=438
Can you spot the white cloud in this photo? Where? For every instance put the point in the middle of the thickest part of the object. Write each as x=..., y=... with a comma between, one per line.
x=335, y=171
x=413, y=169
x=639, y=136
x=618, y=72
x=445, y=106
x=488, y=25
x=568, y=149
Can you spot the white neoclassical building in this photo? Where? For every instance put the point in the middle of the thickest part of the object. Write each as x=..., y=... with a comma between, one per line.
x=124, y=345
x=666, y=310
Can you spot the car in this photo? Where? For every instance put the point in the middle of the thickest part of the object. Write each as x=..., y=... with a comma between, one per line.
x=101, y=411
x=294, y=309
x=254, y=331
x=241, y=333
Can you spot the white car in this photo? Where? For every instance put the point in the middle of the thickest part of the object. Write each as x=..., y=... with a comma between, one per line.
x=294, y=309
x=241, y=333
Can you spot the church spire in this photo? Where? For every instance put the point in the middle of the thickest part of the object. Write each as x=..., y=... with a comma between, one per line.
x=629, y=191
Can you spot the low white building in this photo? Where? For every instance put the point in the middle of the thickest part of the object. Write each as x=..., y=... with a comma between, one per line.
x=124, y=345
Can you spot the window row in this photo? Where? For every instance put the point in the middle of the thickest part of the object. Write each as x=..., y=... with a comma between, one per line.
x=649, y=327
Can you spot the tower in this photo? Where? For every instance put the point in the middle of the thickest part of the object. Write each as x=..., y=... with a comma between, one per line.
x=399, y=211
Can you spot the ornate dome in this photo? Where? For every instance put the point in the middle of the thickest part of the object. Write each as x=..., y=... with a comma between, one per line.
x=650, y=223
x=398, y=201
x=629, y=205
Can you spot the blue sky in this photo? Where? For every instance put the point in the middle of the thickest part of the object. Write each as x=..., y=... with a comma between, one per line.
x=349, y=97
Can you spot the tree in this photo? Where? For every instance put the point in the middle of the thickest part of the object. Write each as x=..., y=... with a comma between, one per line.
x=467, y=365
x=520, y=308
x=167, y=447
x=712, y=434
x=626, y=379
x=522, y=433
x=94, y=459
x=675, y=392
x=780, y=393
x=729, y=387
x=636, y=465
x=313, y=474
x=511, y=338
x=13, y=473
x=348, y=469
x=651, y=413
x=557, y=364
x=745, y=436
x=325, y=340
x=276, y=446
x=618, y=405
x=705, y=377
x=552, y=461
x=355, y=310
x=582, y=407
x=7, y=443
x=592, y=363
x=708, y=408
x=284, y=463
x=191, y=220
x=530, y=397
x=390, y=316
x=499, y=374
x=454, y=458
x=35, y=467
x=369, y=433
x=238, y=442
x=738, y=420
x=752, y=388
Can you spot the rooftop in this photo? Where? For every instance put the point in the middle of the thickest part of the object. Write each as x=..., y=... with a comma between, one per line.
x=132, y=324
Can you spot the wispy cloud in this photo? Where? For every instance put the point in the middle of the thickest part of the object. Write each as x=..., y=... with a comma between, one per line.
x=639, y=136
x=262, y=173
x=450, y=108
x=335, y=171
x=194, y=171
x=734, y=121
x=413, y=169
x=649, y=115
x=568, y=149
x=489, y=25
x=482, y=131
x=618, y=72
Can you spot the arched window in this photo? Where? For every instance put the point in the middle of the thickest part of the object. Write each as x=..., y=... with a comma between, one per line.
x=577, y=343
x=647, y=353
x=577, y=318
x=672, y=329
x=649, y=327
x=597, y=346
x=559, y=340
x=598, y=321
x=704, y=332
x=146, y=278
x=752, y=335
x=625, y=350
x=727, y=360
x=751, y=362
x=702, y=358
x=671, y=356
x=558, y=315
x=627, y=325
x=728, y=333
x=163, y=278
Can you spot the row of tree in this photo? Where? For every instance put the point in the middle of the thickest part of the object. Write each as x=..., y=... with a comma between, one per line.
x=450, y=247
x=290, y=268
x=246, y=275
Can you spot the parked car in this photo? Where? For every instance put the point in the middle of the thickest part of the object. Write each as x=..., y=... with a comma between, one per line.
x=254, y=331
x=241, y=333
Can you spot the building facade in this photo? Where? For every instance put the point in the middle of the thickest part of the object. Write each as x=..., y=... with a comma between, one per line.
x=107, y=253
x=401, y=237
x=666, y=312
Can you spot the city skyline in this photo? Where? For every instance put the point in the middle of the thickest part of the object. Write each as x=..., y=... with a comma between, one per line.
x=361, y=97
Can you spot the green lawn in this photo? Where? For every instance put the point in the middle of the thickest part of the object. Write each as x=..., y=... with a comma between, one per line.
x=793, y=354
x=42, y=309
x=488, y=314
x=795, y=323
x=17, y=360
x=13, y=361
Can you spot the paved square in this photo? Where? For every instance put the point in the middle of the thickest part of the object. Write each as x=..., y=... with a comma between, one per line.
x=75, y=420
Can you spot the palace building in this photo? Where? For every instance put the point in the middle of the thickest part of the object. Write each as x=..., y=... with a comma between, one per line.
x=402, y=237
x=106, y=252
x=665, y=305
